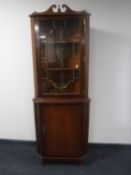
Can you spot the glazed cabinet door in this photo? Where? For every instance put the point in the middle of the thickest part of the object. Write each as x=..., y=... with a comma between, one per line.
x=59, y=55
x=62, y=130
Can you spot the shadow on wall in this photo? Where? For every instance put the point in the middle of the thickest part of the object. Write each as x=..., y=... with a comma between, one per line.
x=110, y=87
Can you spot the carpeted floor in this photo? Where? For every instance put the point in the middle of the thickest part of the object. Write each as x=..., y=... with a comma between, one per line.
x=22, y=159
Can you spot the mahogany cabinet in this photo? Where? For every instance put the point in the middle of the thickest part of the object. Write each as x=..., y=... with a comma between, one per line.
x=60, y=40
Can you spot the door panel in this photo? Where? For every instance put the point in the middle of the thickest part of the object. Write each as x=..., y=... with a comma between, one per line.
x=62, y=127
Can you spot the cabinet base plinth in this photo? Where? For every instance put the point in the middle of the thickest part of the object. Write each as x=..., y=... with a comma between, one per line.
x=49, y=158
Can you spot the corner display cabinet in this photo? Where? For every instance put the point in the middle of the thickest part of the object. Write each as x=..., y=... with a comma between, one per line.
x=60, y=39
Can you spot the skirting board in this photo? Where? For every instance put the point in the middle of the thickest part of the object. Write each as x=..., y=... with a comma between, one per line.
x=91, y=145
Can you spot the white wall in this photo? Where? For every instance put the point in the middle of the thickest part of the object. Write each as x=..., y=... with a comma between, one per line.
x=110, y=68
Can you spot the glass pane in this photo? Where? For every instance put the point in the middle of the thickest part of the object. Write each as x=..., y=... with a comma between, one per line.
x=60, y=55
x=60, y=83
x=46, y=30
x=72, y=31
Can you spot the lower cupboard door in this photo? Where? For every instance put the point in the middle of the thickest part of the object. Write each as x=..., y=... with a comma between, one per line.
x=62, y=130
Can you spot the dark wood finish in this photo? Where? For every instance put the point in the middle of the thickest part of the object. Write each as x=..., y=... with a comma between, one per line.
x=58, y=10
x=57, y=139
x=60, y=42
